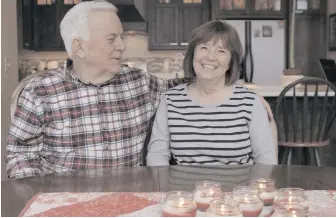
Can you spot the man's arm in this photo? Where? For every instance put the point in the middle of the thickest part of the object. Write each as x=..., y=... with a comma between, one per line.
x=261, y=136
x=25, y=140
x=158, y=86
x=158, y=147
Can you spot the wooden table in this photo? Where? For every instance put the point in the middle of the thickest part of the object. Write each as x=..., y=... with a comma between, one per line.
x=15, y=194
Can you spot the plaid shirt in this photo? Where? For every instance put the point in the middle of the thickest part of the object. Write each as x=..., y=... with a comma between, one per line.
x=62, y=124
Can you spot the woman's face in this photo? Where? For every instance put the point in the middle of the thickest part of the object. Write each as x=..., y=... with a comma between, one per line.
x=211, y=60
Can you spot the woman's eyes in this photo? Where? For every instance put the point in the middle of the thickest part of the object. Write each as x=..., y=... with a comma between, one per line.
x=220, y=50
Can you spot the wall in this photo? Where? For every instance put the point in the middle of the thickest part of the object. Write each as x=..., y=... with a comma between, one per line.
x=164, y=64
x=9, y=74
x=331, y=10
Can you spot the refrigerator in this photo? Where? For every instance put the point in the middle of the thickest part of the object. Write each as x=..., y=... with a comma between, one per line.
x=264, y=50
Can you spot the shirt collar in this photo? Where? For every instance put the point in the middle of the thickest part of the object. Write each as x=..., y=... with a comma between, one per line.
x=70, y=74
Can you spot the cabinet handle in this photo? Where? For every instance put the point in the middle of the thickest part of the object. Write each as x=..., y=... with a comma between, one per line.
x=184, y=43
x=173, y=43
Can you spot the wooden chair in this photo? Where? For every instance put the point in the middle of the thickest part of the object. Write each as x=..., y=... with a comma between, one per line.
x=17, y=92
x=305, y=121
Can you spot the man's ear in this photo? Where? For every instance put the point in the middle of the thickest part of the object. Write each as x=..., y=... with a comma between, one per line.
x=78, y=47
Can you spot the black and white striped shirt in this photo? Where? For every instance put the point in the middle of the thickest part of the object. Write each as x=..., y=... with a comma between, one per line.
x=223, y=134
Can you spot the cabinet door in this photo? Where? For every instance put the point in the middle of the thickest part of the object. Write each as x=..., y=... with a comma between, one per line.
x=193, y=13
x=230, y=8
x=268, y=8
x=46, y=25
x=310, y=43
x=163, y=24
x=25, y=33
x=65, y=7
x=311, y=7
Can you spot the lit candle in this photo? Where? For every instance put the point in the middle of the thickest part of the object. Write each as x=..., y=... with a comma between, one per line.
x=179, y=204
x=266, y=189
x=291, y=196
x=182, y=208
x=249, y=207
x=290, y=210
x=205, y=192
x=249, y=200
x=223, y=207
x=268, y=198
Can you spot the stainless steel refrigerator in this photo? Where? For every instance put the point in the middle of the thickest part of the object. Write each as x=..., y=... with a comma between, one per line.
x=264, y=49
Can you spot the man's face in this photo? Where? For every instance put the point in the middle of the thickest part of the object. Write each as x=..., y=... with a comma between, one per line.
x=104, y=48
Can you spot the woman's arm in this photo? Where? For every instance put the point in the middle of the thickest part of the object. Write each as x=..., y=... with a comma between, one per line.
x=158, y=147
x=262, y=142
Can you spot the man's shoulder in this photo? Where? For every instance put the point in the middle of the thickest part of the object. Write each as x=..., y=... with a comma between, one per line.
x=42, y=79
x=133, y=72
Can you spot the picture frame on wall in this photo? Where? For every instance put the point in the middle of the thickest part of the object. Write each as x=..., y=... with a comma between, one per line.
x=332, y=32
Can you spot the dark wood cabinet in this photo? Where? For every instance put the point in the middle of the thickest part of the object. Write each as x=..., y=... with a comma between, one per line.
x=310, y=35
x=46, y=22
x=311, y=7
x=163, y=25
x=249, y=9
x=170, y=22
x=40, y=23
x=310, y=43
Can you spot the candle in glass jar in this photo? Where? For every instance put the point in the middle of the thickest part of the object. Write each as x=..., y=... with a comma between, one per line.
x=290, y=210
x=203, y=197
x=205, y=192
x=249, y=207
x=179, y=204
x=179, y=208
x=268, y=198
x=291, y=196
x=223, y=207
x=266, y=189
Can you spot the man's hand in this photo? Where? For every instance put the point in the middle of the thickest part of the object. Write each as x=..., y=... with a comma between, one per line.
x=268, y=109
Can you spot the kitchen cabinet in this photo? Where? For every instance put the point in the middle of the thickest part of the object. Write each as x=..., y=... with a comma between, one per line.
x=310, y=43
x=170, y=22
x=41, y=21
x=311, y=7
x=310, y=35
x=249, y=9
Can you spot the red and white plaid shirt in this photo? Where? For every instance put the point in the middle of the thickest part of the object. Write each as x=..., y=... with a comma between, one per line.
x=62, y=124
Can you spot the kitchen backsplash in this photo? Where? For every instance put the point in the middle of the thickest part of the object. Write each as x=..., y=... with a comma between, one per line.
x=164, y=64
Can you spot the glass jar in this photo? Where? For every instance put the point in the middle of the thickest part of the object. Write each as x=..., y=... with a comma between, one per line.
x=223, y=208
x=287, y=196
x=179, y=204
x=266, y=189
x=249, y=201
x=205, y=192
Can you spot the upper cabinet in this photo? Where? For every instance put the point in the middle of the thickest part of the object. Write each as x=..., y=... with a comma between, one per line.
x=170, y=22
x=311, y=7
x=249, y=9
x=41, y=21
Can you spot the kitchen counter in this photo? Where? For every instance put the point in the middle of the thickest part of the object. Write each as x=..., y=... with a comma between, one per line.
x=274, y=91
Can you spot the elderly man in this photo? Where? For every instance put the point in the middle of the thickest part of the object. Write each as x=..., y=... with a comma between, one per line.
x=93, y=113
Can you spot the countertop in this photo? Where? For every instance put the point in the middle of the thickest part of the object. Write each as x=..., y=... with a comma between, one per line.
x=275, y=90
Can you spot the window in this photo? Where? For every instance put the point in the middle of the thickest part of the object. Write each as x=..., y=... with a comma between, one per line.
x=46, y=2
x=71, y=2
x=232, y=4
x=164, y=1
x=192, y=1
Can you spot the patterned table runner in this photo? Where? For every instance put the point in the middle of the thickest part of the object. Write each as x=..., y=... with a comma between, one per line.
x=321, y=203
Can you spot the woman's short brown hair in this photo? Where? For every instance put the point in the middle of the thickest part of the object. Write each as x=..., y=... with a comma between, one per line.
x=230, y=39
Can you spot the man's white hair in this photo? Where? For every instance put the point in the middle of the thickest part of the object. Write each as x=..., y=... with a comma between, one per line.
x=75, y=22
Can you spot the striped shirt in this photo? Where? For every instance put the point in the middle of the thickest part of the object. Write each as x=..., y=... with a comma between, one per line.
x=234, y=132
x=62, y=124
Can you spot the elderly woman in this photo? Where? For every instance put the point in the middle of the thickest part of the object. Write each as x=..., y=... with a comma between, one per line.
x=212, y=121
